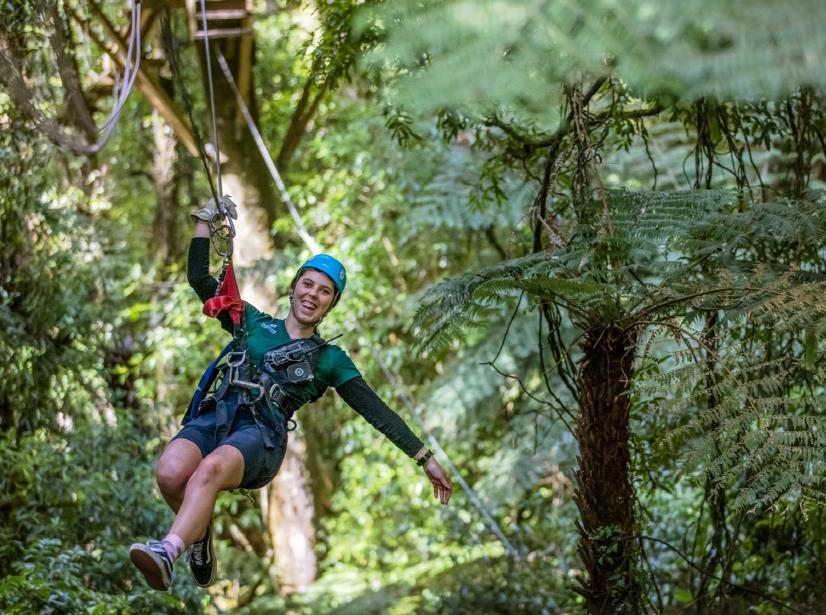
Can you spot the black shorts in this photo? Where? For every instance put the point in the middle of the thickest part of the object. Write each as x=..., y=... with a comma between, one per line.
x=261, y=463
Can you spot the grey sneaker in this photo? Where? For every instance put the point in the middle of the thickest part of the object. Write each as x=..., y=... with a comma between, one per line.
x=151, y=559
x=202, y=560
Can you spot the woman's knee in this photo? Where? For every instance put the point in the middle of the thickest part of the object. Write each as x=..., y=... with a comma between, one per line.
x=176, y=465
x=171, y=478
x=221, y=469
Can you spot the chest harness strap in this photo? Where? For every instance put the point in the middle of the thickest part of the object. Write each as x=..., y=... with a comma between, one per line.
x=286, y=371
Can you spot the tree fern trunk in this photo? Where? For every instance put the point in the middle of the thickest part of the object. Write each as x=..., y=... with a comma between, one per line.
x=608, y=530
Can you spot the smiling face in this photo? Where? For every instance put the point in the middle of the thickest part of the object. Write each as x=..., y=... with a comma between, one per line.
x=312, y=297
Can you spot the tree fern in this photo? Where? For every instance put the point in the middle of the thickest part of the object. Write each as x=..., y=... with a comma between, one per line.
x=469, y=300
x=698, y=258
x=651, y=234
x=700, y=307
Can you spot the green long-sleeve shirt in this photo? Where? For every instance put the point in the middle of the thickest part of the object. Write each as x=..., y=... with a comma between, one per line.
x=335, y=368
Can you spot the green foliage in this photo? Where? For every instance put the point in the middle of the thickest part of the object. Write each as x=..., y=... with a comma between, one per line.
x=44, y=324
x=762, y=431
x=520, y=55
x=639, y=252
x=724, y=283
x=499, y=586
x=661, y=261
x=362, y=197
x=72, y=505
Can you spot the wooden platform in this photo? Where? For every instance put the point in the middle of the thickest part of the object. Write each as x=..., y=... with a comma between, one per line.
x=224, y=18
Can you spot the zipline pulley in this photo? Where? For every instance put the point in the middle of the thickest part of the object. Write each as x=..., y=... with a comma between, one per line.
x=222, y=228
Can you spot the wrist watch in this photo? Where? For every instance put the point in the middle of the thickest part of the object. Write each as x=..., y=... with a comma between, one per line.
x=423, y=459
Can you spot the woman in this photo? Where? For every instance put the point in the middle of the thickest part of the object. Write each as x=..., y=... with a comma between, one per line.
x=237, y=437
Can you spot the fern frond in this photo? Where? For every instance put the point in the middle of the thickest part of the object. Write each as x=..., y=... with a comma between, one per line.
x=763, y=436
x=475, y=299
x=450, y=306
x=519, y=55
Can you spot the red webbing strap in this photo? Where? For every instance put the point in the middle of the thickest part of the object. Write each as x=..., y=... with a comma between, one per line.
x=227, y=298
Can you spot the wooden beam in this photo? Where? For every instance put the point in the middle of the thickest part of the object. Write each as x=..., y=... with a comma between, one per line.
x=227, y=19
x=221, y=33
x=225, y=13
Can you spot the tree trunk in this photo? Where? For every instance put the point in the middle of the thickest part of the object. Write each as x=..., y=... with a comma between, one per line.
x=165, y=232
x=291, y=519
x=165, y=226
x=608, y=532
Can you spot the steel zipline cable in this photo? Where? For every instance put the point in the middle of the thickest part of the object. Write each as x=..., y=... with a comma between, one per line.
x=211, y=94
x=227, y=230
x=222, y=235
x=391, y=377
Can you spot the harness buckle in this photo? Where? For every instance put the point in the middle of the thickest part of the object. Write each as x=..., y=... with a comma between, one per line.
x=236, y=358
x=277, y=399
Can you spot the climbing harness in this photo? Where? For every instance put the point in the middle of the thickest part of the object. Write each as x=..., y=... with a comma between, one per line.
x=273, y=393
x=236, y=370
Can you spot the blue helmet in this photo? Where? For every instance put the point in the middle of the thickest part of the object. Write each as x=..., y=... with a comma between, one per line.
x=329, y=266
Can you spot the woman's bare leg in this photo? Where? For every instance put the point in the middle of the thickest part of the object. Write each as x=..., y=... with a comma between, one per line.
x=222, y=469
x=178, y=462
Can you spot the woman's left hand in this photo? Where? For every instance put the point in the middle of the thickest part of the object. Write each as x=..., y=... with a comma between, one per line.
x=442, y=487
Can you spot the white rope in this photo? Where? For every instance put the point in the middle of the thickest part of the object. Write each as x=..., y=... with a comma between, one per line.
x=391, y=377
x=121, y=88
x=256, y=135
x=131, y=68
